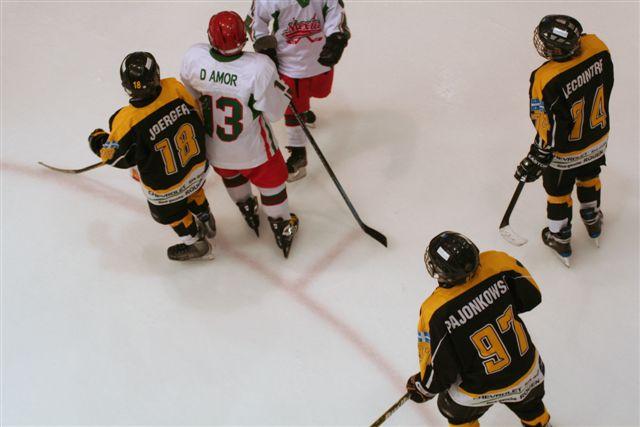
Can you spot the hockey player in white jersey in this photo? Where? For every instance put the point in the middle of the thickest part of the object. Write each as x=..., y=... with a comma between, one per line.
x=307, y=40
x=240, y=93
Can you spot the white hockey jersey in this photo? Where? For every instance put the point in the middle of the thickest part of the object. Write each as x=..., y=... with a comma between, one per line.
x=239, y=96
x=300, y=27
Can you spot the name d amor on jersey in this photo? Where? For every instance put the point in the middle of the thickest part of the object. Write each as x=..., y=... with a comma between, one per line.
x=221, y=77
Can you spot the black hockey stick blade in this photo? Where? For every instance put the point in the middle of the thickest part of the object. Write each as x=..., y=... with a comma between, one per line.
x=506, y=231
x=390, y=411
x=375, y=234
x=87, y=168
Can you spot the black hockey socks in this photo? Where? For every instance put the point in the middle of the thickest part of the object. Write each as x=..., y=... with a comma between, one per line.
x=559, y=211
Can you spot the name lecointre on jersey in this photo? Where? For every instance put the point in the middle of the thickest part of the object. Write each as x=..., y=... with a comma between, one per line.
x=477, y=305
x=584, y=78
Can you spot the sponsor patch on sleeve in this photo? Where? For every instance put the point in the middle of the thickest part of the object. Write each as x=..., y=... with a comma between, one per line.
x=424, y=337
x=537, y=105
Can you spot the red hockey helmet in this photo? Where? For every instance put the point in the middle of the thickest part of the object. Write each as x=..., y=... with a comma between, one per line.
x=226, y=33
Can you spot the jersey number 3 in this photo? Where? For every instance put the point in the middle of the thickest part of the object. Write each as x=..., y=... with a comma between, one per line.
x=598, y=116
x=233, y=115
x=490, y=347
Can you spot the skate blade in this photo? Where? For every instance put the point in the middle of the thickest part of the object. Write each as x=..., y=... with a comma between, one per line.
x=299, y=174
x=209, y=255
x=596, y=241
x=566, y=260
x=511, y=236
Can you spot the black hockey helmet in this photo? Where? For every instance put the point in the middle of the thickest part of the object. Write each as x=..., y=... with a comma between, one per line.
x=140, y=75
x=557, y=37
x=451, y=258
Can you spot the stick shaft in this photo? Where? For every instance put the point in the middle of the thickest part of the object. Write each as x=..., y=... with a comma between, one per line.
x=512, y=204
x=84, y=169
x=390, y=411
x=370, y=231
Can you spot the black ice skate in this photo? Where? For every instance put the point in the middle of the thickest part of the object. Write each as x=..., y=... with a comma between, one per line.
x=560, y=243
x=310, y=119
x=201, y=249
x=208, y=224
x=284, y=232
x=593, y=222
x=249, y=210
x=297, y=163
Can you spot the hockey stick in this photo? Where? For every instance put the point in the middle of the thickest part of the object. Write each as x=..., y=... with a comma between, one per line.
x=87, y=168
x=505, y=229
x=390, y=411
x=370, y=231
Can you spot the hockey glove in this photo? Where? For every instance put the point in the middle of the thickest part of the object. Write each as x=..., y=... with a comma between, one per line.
x=96, y=139
x=107, y=153
x=531, y=167
x=333, y=48
x=417, y=392
x=267, y=46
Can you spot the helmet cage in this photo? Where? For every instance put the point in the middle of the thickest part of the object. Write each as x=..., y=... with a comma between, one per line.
x=557, y=37
x=459, y=269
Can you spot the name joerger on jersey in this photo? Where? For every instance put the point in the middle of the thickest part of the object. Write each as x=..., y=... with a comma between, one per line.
x=240, y=95
x=300, y=27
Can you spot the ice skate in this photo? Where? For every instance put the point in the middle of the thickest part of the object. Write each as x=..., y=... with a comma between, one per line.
x=249, y=210
x=284, y=232
x=560, y=243
x=297, y=163
x=208, y=223
x=310, y=119
x=593, y=222
x=201, y=249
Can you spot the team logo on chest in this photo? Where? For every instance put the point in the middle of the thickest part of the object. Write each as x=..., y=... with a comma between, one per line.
x=298, y=30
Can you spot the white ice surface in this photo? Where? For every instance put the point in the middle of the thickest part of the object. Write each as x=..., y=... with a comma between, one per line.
x=428, y=118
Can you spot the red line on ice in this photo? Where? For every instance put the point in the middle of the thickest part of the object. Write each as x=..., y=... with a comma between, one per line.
x=296, y=288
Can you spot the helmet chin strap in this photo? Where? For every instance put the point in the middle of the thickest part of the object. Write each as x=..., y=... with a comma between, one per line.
x=144, y=99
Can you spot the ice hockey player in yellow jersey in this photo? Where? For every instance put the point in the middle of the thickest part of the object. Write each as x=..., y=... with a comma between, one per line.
x=474, y=349
x=569, y=98
x=162, y=134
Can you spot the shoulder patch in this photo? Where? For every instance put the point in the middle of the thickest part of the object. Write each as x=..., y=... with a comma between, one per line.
x=424, y=337
x=537, y=105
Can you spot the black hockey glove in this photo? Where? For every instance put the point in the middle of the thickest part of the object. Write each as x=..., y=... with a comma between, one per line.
x=417, y=392
x=333, y=48
x=531, y=167
x=267, y=46
x=96, y=139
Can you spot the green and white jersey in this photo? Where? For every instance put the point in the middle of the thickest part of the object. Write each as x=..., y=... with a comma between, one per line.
x=300, y=27
x=239, y=96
